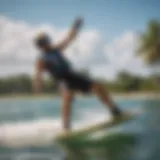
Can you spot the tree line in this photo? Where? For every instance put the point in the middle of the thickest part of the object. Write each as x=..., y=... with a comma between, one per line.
x=124, y=82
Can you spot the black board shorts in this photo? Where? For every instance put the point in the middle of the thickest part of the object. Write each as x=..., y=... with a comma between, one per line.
x=75, y=82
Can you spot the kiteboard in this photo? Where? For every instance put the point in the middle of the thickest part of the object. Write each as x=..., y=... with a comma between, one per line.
x=114, y=121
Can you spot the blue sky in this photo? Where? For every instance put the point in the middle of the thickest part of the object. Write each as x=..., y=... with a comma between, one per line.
x=110, y=17
x=106, y=44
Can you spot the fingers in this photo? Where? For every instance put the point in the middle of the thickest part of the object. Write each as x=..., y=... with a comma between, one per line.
x=78, y=22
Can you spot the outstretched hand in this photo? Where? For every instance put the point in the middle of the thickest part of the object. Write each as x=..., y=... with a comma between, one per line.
x=71, y=35
x=78, y=22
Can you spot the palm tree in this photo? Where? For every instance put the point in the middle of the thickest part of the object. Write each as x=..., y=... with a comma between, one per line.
x=149, y=45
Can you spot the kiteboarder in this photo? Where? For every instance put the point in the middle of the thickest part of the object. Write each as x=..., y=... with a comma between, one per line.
x=52, y=59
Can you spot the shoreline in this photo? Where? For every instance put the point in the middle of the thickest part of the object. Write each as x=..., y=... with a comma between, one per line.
x=114, y=95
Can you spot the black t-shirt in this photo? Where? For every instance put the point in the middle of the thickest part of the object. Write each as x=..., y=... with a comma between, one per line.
x=55, y=63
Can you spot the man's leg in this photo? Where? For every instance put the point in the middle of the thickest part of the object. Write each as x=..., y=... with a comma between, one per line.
x=99, y=90
x=67, y=98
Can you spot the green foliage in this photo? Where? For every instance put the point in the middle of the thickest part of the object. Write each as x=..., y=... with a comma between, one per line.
x=149, y=47
x=124, y=82
x=23, y=84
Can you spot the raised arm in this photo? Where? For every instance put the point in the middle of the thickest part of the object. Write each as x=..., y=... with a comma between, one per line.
x=38, y=81
x=71, y=35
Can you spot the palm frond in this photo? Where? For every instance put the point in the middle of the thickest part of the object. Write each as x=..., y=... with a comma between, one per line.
x=149, y=43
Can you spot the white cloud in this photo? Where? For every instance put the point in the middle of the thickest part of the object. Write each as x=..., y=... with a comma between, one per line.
x=121, y=55
x=121, y=50
x=17, y=51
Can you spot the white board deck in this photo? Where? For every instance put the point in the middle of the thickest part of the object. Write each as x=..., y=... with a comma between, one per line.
x=89, y=129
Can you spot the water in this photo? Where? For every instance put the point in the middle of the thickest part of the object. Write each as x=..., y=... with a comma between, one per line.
x=28, y=126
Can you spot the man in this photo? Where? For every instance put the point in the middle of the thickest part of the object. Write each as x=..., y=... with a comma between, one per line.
x=53, y=61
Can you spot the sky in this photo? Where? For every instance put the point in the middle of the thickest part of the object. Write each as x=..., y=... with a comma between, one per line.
x=106, y=44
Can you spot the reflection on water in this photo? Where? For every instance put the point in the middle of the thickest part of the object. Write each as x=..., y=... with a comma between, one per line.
x=138, y=139
x=141, y=146
x=111, y=147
